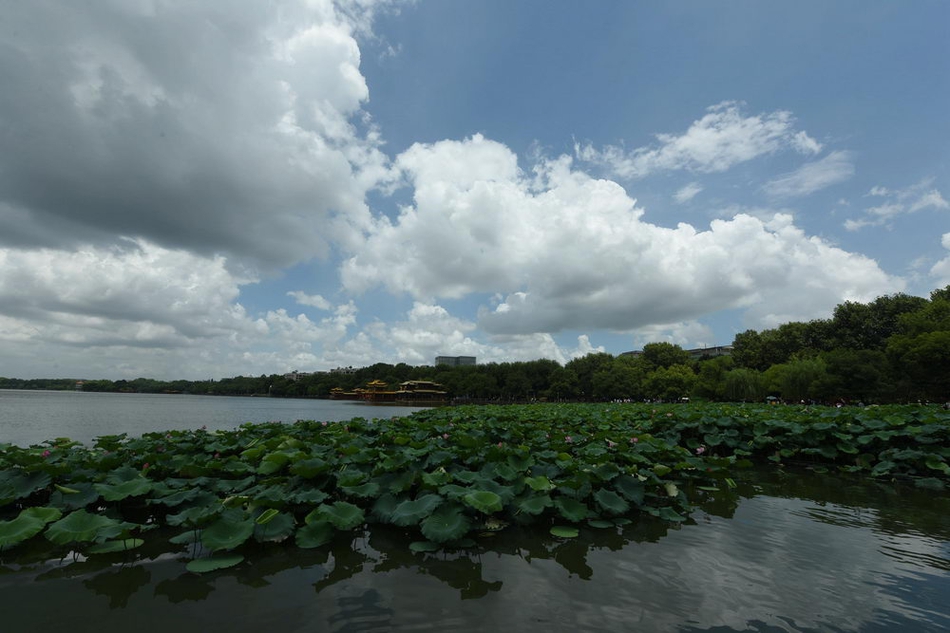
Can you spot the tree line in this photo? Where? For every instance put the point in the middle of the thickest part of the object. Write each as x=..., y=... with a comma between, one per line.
x=893, y=349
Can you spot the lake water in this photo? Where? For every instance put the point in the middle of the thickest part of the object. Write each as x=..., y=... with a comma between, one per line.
x=784, y=552
x=800, y=552
x=31, y=417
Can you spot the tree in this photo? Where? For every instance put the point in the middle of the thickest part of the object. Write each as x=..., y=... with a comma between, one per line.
x=868, y=326
x=665, y=354
x=710, y=382
x=853, y=374
x=748, y=350
x=585, y=368
x=670, y=383
x=925, y=360
x=797, y=379
x=563, y=385
x=622, y=380
x=743, y=385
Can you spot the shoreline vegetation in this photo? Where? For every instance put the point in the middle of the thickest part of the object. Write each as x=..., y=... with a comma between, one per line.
x=448, y=477
x=895, y=349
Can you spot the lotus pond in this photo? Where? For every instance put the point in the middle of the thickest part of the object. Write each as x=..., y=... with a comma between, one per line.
x=462, y=497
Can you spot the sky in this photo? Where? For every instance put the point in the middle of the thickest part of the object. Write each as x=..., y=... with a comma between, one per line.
x=193, y=190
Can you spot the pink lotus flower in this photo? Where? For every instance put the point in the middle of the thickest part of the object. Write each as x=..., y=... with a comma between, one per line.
x=568, y=439
x=445, y=436
x=46, y=453
x=634, y=440
x=700, y=450
x=145, y=466
x=499, y=444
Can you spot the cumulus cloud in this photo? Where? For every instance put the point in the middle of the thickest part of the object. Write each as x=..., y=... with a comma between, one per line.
x=686, y=334
x=429, y=330
x=314, y=301
x=941, y=270
x=196, y=126
x=139, y=294
x=724, y=137
x=898, y=202
x=834, y=168
x=568, y=251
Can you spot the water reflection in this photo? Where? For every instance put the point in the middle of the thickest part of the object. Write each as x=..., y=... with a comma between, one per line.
x=783, y=552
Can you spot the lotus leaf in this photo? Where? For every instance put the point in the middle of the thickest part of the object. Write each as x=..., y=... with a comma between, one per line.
x=195, y=516
x=607, y=471
x=369, y=490
x=315, y=534
x=186, y=538
x=214, y=563
x=311, y=496
x=539, y=483
x=17, y=485
x=437, y=478
x=411, y=512
x=610, y=502
x=483, y=501
x=344, y=516
x=273, y=462
x=571, y=509
x=266, y=516
x=424, y=546
x=631, y=488
x=447, y=523
x=535, y=504
x=85, y=494
x=111, y=547
x=564, y=532
x=278, y=528
x=384, y=506
x=131, y=488
x=230, y=530
x=78, y=526
x=26, y=525
x=669, y=514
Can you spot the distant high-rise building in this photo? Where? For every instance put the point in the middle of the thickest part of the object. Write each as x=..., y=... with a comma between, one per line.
x=455, y=361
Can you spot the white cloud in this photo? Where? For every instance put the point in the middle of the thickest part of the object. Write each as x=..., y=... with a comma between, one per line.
x=686, y=334
x=203, y=126
x=941, y=270
x=834, y=168
x=314, y=301
x=687, y=193
x=567, y=251
x=724, y=137
x=899, y=202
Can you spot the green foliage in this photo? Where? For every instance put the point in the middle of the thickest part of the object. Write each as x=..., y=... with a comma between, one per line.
x=26, y=525
x=214, y=563
x=665, y=355
x=442, y=473
x=79, y=526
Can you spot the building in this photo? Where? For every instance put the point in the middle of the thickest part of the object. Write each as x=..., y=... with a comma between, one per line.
x=709, y=352
x=455, y=361
x=697, y=353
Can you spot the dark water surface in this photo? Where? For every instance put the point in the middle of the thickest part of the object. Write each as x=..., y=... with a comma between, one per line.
x=30, y=417
x=789, y=552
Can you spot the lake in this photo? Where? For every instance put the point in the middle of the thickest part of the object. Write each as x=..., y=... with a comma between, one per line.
x=31, y=417
x=784, y=551
x=792, y=552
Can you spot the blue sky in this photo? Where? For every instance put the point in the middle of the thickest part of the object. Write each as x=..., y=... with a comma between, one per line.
x=206, y=189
